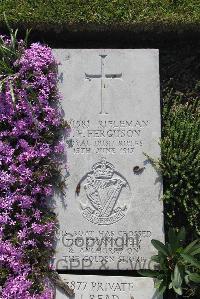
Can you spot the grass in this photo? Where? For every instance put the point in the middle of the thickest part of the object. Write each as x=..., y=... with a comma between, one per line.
x=102, y=12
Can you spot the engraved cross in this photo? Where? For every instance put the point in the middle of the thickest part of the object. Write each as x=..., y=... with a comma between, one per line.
x=103, y=76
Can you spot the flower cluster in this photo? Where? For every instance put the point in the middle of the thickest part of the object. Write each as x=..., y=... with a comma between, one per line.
x=30, y=161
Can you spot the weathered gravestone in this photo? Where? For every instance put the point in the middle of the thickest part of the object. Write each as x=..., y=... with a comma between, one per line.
x=103, y=287
x=112, y=208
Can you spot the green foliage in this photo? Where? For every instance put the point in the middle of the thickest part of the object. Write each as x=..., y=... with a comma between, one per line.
x=180, y=163
x=126, y=12
x=178, y=266
x=9, y=53
x=4, y=272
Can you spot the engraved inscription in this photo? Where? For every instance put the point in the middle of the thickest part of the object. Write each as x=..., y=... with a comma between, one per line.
x=109, y=137
x=101, y=290
x=102, y=76
x=103, y=187
x=109, y=287
x=103, y=247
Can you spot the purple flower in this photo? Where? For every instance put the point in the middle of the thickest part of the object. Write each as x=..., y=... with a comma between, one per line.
x=29, y=144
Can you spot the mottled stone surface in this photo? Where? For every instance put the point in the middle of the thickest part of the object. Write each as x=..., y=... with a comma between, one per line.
x=112, y=207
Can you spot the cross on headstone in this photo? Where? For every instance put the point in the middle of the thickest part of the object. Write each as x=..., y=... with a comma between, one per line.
x=102, y=76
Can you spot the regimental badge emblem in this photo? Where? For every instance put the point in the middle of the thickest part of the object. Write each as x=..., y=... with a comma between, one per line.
x=105, y=194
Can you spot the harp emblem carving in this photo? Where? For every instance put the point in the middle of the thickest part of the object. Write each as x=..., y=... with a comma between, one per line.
x=103, y=187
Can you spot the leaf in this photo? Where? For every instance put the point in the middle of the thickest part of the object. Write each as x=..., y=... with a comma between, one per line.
x=196, y=251
x=12, y=92
x=1, y=85
x=149, y=273
x=178, y=291
x=191, y=260
x=176, y=278
x=26, y=36
x=195, y=277
x=155, y=258
x=157, y=282
x=170, y=248
x=186, y=279
x=7, y=23
x=189, y=247
x=170, y=286
x=6, y=49
x=173, y=240
x=162, y=288
x=13, y=35
x=160, y=247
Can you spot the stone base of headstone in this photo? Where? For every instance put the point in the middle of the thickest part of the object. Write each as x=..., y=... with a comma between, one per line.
x=108, y=287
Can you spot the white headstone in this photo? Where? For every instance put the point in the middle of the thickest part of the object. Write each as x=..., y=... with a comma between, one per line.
x=108, y=287
x=112, y=208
